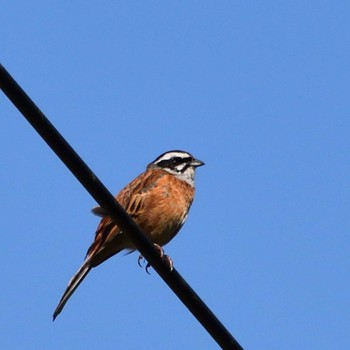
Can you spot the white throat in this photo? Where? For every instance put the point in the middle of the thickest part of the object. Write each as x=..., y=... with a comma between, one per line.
x=187, y=175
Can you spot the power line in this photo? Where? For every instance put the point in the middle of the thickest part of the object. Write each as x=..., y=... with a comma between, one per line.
x=105, y=199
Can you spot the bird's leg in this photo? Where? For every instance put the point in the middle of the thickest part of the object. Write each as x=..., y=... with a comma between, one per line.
x=159, y=249
x=166, y=258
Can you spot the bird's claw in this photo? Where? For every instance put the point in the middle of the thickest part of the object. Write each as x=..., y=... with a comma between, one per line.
x=140, y=258
x=169, y=262
x=164, y=257
x=147, y=267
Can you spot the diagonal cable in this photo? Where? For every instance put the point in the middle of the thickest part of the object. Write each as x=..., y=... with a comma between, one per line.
x=105, y=199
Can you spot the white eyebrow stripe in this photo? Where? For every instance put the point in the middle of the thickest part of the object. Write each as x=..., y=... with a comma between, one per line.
x=170, y=155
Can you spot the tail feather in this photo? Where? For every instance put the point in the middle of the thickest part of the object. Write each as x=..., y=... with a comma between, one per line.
x=72, y=286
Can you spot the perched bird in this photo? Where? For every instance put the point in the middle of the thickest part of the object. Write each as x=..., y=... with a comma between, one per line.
x=158, y=200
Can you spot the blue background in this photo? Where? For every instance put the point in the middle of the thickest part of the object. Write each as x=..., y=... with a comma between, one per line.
x=257, y=90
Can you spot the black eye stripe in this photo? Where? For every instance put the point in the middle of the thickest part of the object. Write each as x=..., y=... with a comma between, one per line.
x=178, y=160
x=174, y=162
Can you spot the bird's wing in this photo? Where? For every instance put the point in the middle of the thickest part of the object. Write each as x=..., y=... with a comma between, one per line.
x=109, y=239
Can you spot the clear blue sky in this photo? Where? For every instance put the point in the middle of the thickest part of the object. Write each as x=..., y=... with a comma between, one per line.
x=257, y=90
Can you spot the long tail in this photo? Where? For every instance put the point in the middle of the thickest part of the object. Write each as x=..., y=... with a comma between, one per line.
x=72, y=286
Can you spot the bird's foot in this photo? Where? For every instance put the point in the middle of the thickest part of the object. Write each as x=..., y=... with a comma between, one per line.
x=169, y=262
x=164, y=257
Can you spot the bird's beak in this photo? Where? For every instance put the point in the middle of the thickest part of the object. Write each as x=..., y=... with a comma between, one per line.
x=196, y=163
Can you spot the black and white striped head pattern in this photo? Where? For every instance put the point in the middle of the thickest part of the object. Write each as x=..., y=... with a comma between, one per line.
x=179, y=163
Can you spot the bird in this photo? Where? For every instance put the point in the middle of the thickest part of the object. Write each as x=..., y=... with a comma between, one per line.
x=158, y=200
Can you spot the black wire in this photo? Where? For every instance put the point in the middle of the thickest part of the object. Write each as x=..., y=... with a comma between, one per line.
x=104, y=198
